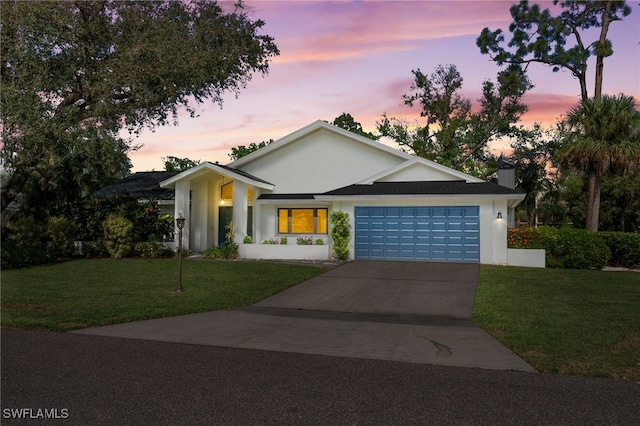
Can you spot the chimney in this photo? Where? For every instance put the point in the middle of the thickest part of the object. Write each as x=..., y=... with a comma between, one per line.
x=506, y=173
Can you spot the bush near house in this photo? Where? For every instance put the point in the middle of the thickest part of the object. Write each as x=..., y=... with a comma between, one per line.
x=565, y=247
x=152, y=250
x=117, y=235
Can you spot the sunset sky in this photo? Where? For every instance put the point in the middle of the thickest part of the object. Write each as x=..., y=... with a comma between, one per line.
x=356, y=57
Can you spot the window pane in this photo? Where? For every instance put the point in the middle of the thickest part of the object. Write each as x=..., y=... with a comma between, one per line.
x=226, y=192
x=322, y=221
x=283, y=221
x=302, y=221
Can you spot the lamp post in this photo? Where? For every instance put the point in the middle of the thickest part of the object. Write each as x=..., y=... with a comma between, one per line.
x=180, y=223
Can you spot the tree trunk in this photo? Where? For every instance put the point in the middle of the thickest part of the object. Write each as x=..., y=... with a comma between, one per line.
x=606, y=20
x=593, y=204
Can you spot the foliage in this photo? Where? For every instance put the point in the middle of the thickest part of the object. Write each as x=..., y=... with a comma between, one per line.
x=304, y=241
x=148, y=223
x=340, y=233
x=619, y=205
x=284, y=240
x=14, y=255
x=248, y=239
x=117, y=235
x=525, y=238
x=92, y=249
x=62, y=233
x=25, y=231
x=536, y=175
x=271, y=241
x=23, y=243
x=228, y=250
x=176, y=164
x=564, y=247
x=454, y=134
x=624, y=247
x=602, y=137
x=319, y=242
x=537, y=36
x=242, y=151
x=74, y=75
x=152, y=250
x=347, y=122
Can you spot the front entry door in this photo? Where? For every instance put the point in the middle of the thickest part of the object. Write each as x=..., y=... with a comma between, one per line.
x=225, y=216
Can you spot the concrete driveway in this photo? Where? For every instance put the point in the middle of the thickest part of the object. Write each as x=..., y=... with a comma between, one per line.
x=400, y=311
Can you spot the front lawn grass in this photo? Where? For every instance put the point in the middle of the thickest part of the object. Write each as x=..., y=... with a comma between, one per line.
x=88, y=293
x=564, y=321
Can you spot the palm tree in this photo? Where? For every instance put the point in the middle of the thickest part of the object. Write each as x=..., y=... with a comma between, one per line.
x=603, y=138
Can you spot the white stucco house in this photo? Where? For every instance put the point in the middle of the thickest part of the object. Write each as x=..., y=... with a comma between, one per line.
x=400, y=206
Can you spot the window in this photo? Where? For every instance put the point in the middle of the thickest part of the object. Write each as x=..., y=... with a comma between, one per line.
x=302, y=221
x=226, y=192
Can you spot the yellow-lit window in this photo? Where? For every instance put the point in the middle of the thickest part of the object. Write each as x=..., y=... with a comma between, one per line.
x=321, y=221
x=226, y=191
x=283, y=221
x=302, y=221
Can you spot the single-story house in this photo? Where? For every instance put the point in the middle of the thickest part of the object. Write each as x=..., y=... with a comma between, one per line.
x=400, y=206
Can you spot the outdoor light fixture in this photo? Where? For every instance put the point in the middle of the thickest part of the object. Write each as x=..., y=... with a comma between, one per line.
x=499, y=215
x=180, y=223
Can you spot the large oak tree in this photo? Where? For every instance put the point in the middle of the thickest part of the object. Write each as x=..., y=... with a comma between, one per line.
x=75, y=75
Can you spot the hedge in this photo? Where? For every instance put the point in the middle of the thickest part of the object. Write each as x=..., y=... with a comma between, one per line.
x=565, y=247
x=624, y=247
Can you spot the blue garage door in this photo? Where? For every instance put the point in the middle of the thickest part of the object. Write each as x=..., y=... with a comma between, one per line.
x=418, y=233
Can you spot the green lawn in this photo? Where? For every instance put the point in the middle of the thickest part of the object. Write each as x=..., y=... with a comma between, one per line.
x=87, y=293
x=563, y=321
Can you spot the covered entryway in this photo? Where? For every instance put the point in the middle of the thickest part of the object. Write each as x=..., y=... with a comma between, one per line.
x=435, y=233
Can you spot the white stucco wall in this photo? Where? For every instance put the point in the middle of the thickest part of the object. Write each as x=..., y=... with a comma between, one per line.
x=493, y=231
x=320, y=161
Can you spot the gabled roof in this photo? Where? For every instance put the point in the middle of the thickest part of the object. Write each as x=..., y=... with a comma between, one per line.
x=425, y=188
x=316, y=125
x=141, y=186
x=228, y=171
x=412, y=162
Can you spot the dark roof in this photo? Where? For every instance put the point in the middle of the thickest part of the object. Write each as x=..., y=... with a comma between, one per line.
x=286, y=197
x=424, y=187
x=141, y=185
x=242, y=173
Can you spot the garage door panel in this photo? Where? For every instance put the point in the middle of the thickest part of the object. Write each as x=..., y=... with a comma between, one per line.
x=442, y=233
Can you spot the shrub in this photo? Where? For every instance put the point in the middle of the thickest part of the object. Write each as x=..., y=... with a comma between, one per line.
x=579, y=249
x=23, y=244
x=565, y=247
x=284, y=240
x=248, y=239
x=229, y=251
x=624, y=247
x=62, y=233
x=319, y=242
x=304, y=241
x=117, y=236
x=14, y=255
x=153, y=250
x=94, y=249
x=271, y=241
x=340, y=233
x=524, y=238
